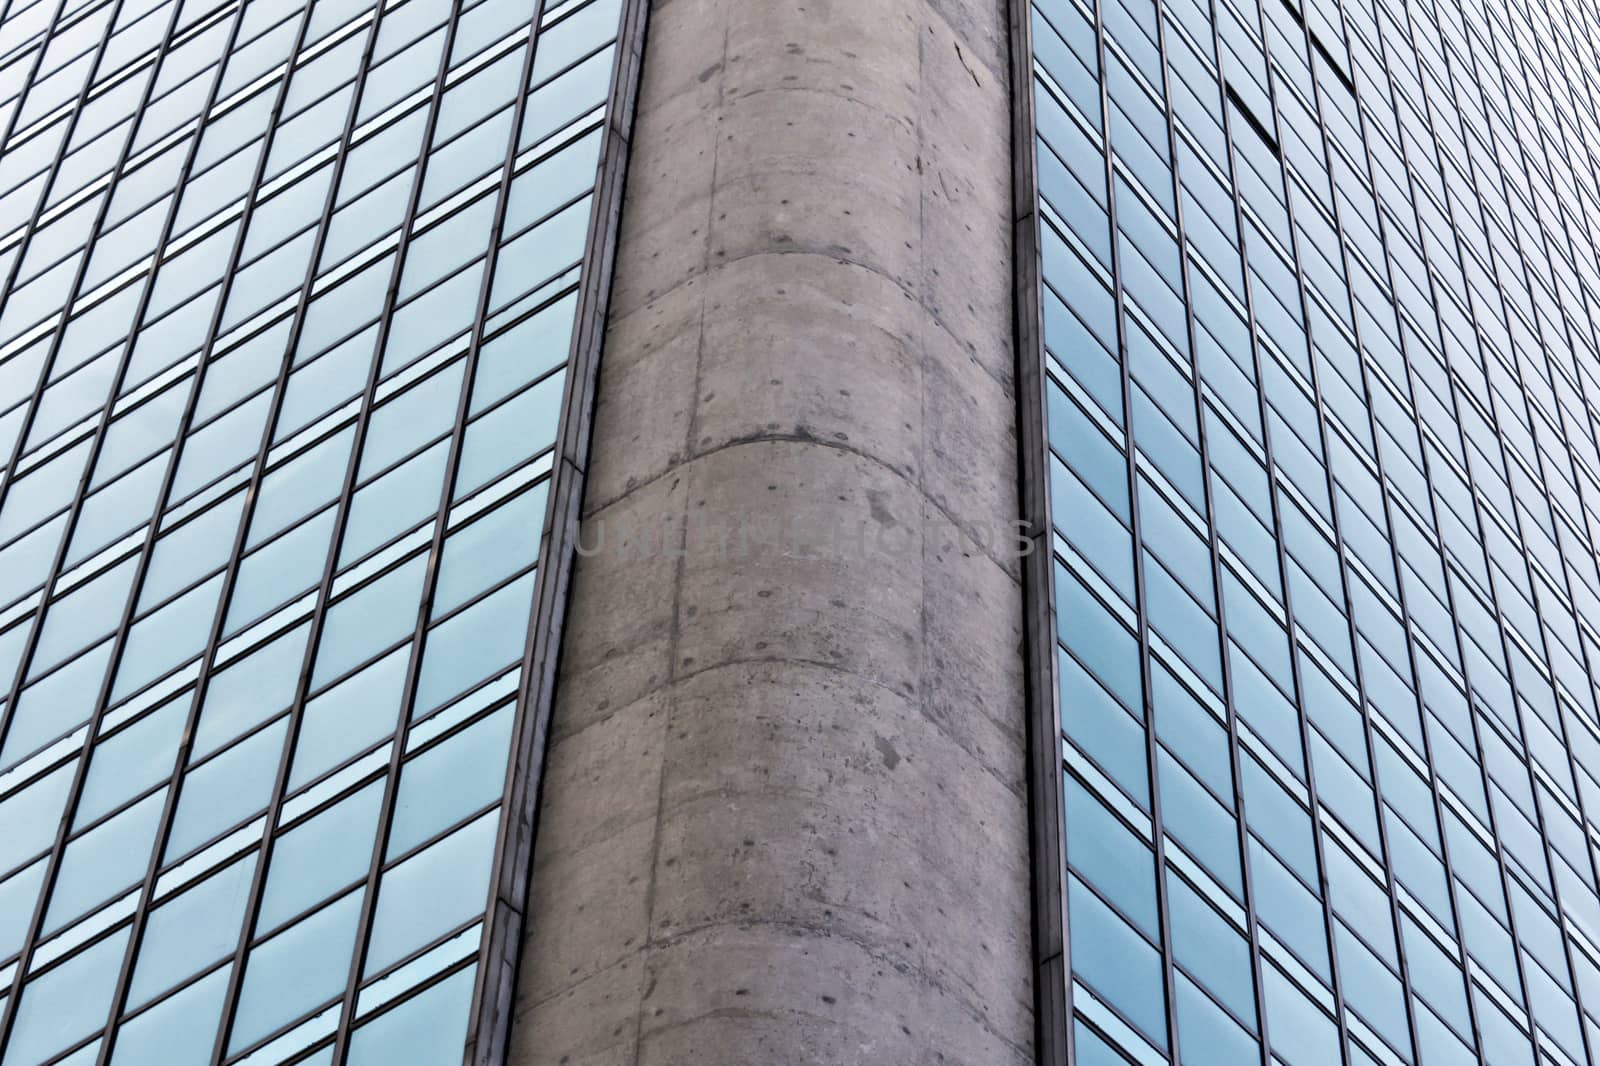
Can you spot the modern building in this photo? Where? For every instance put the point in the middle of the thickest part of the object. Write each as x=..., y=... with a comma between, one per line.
x=998, y=532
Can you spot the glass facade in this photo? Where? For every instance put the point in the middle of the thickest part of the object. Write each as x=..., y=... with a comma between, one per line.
x=289, y=290
x=1318, y=302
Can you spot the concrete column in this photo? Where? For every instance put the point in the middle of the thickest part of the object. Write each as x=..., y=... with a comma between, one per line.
x=785, y=813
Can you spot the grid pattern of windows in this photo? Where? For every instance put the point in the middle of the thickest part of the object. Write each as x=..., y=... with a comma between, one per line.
x=287, y=293
x=1318, y=302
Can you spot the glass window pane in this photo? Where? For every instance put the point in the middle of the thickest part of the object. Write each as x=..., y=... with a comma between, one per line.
x=1118, y=963
x=107, y=859
x=32, y=815
x=166, y=637
x=411, y=419
x=190, y=931
x=299, y=969
x=304, y=483
x=82, y=616
x=432, y=892
x=56, y=704
x=191, y=550
x=227, y=789
x=320, y=856
x=426, y=1030
x=356, y=712
x=447, y=782
x=18, y=895
x=490, y=549
x=134, y=759
x=475, y=644
x=523, y=353
x=281, y=570
x=67, y=1003
x=1210, y=949
x=249, y=690
x=1209, y=1036
x=395, y=502
x=1111, y=856
x=179, y=1030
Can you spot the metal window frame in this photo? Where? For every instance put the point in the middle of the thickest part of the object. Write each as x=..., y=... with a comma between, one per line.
x=500, y=951
x=1052, y=972
x=1028, y=322
x=1055, y=1018
x=80, y=773
x=501, y=942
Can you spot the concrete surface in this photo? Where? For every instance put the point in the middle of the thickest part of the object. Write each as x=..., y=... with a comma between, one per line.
x=785, y=814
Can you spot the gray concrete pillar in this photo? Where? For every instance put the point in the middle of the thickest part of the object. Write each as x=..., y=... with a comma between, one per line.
x=785, y=813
